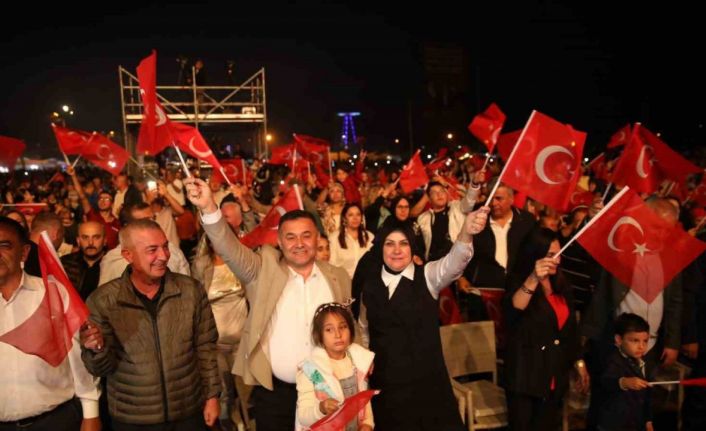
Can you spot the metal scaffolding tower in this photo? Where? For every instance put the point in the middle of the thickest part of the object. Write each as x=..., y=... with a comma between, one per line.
x=235, y=105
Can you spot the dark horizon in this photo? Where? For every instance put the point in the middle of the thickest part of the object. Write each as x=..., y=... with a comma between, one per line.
x=595, y=68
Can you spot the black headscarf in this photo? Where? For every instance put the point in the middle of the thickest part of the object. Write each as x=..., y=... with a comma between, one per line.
x=369, y=266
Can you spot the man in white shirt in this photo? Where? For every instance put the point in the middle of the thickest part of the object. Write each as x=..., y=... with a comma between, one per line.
x=35, y=395
x=283, y=288
x=498, y=246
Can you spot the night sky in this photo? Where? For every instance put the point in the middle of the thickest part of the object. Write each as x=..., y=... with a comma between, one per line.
x=593, y=66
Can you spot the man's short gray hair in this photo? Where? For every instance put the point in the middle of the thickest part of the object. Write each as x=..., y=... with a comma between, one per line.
x=125, y=234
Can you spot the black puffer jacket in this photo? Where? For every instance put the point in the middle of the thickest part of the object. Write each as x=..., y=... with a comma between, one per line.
x=157, y=369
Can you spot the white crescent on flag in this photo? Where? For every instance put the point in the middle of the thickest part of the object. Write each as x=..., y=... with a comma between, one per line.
x=640, y=166
x=542, y=158
x=231, y=170
x=161, y=116
x=200, y=154
x=640, y=249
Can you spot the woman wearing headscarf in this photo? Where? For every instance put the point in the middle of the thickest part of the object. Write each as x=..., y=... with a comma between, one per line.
x=400, y=209
x=399, y=312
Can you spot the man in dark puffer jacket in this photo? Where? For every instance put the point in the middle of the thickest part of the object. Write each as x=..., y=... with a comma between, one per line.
x=151, y=333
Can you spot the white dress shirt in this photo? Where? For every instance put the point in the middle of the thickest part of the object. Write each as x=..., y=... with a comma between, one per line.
x=30, y=386
x=648, y=277
x=289, y=339
x=165, y=220
x=347, y=258
x=500, y=233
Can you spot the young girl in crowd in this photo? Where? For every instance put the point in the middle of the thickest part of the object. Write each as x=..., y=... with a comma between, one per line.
x=337, y=369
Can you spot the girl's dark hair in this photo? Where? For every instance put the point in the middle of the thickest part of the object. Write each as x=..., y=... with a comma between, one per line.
x=536, y=246
x=317, y=328
x=362, y=233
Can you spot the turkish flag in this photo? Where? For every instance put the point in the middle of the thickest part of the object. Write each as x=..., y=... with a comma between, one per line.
x=449, y=313
x=322, y=176
x=599, y=167
x=266, y=231
x=647, y=161
x=620, y=138
x=236, y=170
x=105, y=154
x=48, y=332
x=437, y=165
x=284, y=155
x=93, y=147
x=313, y=150
x=487, y=125
x=546, y=164
x=155, y=131
x=506, y=142
x=413, y=174
x=10, y=150
x=348, y=411
x=637, y=246
x=71, y=141
x=581, y=197
x=190, y=140
x=31, y=208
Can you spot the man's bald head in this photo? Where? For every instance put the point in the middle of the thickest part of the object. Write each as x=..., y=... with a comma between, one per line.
x=91, y=239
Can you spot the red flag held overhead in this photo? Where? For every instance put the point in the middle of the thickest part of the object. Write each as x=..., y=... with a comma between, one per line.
x=155, y=134
x=413, y=175
x=10, y=150
x=487, y=125
x=546, y=164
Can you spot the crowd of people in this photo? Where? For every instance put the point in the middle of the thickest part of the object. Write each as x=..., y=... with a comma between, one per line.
x=189, y=328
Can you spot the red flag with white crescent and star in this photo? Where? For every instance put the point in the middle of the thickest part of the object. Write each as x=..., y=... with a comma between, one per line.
x=546, y=163
x=266, y=231
x=155, y=131
x=642, y=250
x=105, y=154
x=413, y=175
x=620, y=138
x=647, y=161
x=487, y=125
